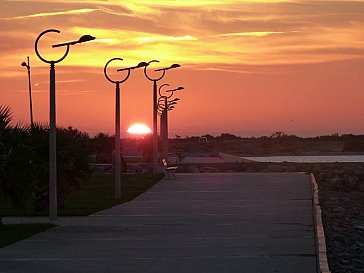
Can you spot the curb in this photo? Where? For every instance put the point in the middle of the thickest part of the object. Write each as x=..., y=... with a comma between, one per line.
x=322, y=263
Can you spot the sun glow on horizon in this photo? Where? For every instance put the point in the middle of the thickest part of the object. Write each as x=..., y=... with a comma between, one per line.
x=139, y=129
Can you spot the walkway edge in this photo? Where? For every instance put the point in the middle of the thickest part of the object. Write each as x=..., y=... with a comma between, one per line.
x=322, y=265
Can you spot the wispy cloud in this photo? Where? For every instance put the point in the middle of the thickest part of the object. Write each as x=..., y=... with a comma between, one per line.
x=254, y=34
x=165, y=38
x=55, y=13
x=195, y=32
x=59, y=81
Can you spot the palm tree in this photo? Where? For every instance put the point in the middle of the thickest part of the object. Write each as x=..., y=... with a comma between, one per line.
x=18, y=164
x=24, y=162
x=73, y=157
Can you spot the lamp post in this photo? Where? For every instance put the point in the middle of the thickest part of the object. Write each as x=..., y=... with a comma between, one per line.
x=164, y=123
x=27, y=65
x=165, y=105
x=117, y=161
x=155, y=132
x=52, y=116
x=161, y=114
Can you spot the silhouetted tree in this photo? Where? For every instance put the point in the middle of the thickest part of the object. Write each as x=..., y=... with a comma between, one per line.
x=208, y=137
x=24, y=162
x=227, y=136
x=103, y=145
x=73, y=158
x=18, y=163
x=146, y=147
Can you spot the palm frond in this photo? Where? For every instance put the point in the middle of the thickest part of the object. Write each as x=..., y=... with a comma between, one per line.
x=5, y=119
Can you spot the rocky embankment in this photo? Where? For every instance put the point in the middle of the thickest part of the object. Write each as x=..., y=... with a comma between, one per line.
x=342, y=201
x=341, y=194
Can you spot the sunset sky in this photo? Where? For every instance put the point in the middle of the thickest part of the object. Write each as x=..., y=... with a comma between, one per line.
x=248, y=67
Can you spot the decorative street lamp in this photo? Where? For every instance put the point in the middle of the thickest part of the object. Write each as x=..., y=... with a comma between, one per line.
x=164, y=106
x=117, y=161
x=52, y=117
x=155, y=132
x=27, y=65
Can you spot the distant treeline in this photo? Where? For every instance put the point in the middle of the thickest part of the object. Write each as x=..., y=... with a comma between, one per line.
x=279, y=143
x=276, y=135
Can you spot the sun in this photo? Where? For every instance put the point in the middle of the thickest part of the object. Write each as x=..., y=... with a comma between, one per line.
x=139, y=129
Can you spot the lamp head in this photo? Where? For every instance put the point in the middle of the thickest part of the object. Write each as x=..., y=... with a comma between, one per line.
x=24, y=64
x=153, y=61
x=174, y=66
x=176, y=89
x=167, y=68
x=85, y=38
x=142, y=64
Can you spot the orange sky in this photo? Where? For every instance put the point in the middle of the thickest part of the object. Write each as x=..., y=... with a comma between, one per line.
x=248, y=67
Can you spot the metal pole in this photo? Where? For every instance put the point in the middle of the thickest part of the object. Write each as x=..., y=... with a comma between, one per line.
x=52, y=117
x=52, y=146
x=163, y=124
x=166, y=134
x=30, y=97
x=155, y=132
x=117, y=143
x=162, y=132
x=160, y=126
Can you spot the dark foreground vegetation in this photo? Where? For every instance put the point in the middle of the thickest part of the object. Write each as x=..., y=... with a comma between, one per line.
x=11, y=233
x=96, y=194
x=24, y=171
x=24, y=163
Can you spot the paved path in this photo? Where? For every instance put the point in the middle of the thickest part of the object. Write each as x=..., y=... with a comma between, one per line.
x=199, y=223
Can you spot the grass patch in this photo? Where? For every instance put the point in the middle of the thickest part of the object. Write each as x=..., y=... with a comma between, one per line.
x=98, y=193
x=11, y=233
x=95, y=195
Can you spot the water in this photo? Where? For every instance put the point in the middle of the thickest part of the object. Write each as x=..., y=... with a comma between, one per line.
x=309, y=159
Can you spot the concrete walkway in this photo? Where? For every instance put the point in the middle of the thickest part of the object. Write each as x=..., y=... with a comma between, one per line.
x=199, y=223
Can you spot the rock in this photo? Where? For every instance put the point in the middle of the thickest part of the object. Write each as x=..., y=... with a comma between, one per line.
x=290, y=168
x=336, y=210
x=339, y=170
x=274, y=168
x=350, y=182
x=344, y=261
x=360, y=187
x=317, y=169
x=209, y=170
x=192, y=169
x=336, y=183
x=356, y=169
x=323, y=176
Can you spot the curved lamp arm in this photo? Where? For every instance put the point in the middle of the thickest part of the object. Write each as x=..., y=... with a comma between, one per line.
x=160, y=88
x=171, y=91
x=162, y=99
x=108, y=78
x=38, y=54
x=150, y=78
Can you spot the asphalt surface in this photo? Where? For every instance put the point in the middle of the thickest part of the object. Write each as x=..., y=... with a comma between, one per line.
x=199, y=223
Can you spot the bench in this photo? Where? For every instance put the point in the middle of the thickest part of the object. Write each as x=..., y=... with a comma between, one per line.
x=169, y=171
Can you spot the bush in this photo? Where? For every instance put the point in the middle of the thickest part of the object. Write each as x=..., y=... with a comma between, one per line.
x=24, y=162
